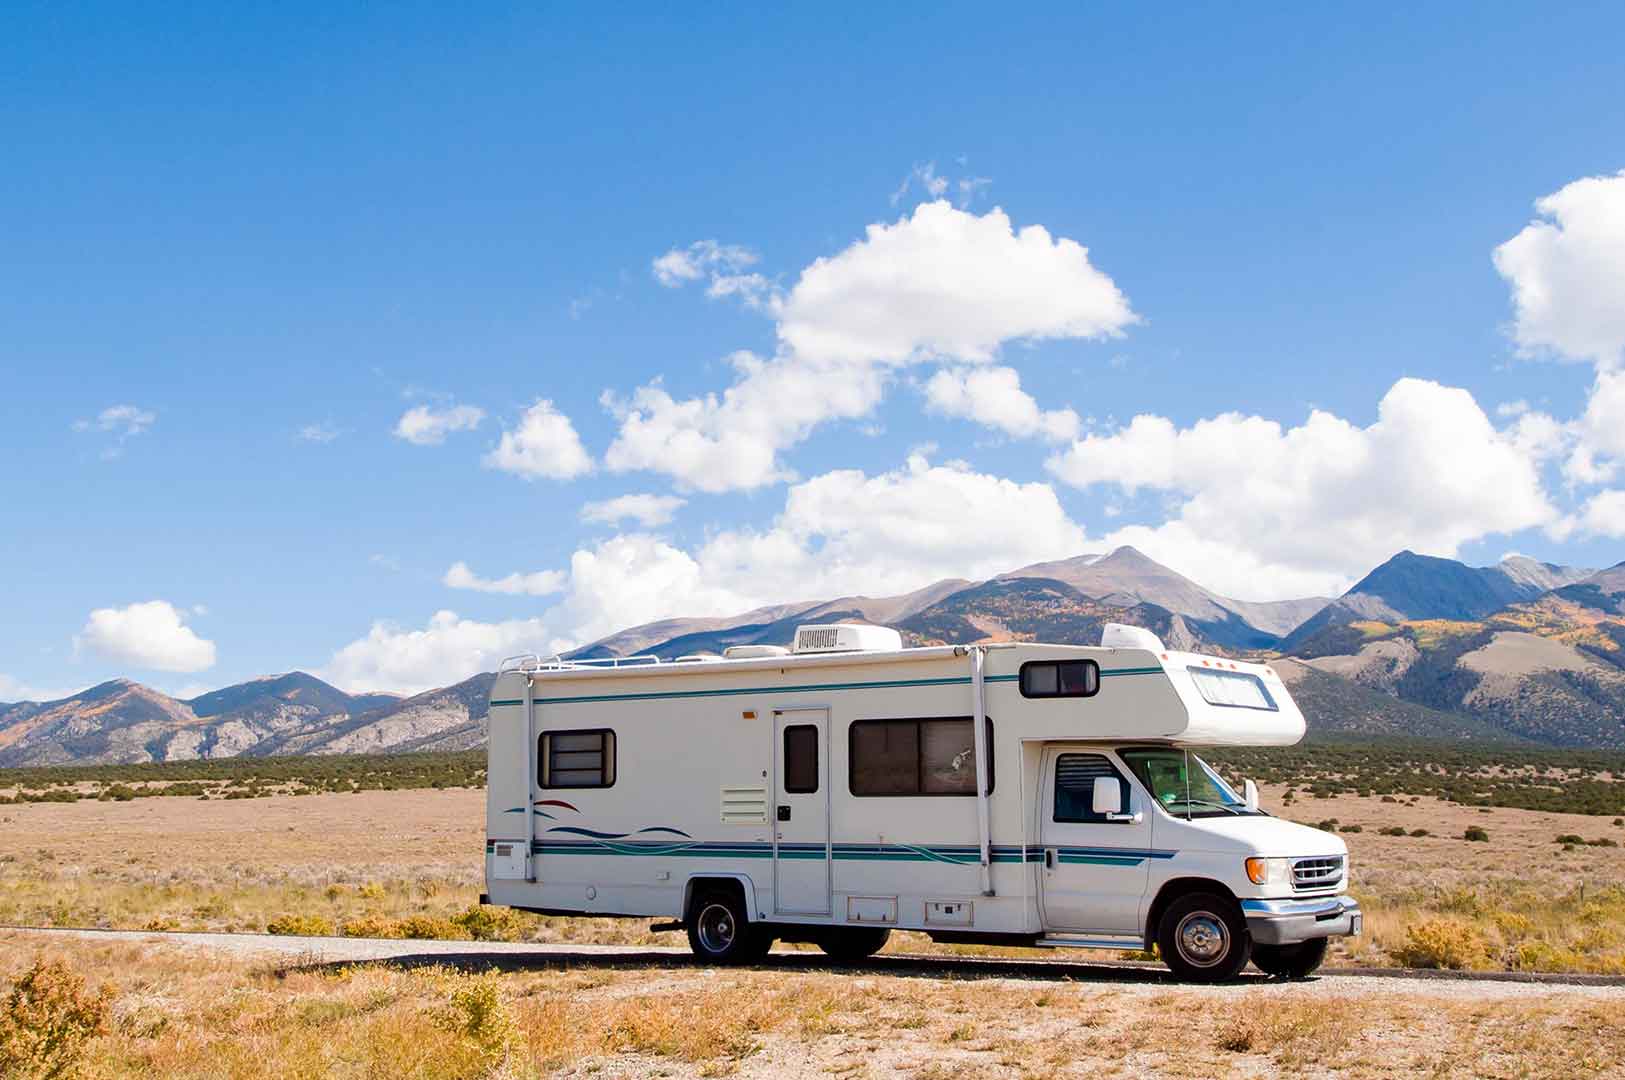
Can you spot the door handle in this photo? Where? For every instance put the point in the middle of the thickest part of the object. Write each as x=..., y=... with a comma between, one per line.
x=1049, y=858
x=784, y=812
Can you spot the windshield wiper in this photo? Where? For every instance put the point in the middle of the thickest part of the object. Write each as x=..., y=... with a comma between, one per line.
x=1204, y=802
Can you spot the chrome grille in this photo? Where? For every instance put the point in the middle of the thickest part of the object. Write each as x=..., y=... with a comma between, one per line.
x=1319, y=872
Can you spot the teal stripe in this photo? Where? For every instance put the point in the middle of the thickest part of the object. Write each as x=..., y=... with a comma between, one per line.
x=808, y=688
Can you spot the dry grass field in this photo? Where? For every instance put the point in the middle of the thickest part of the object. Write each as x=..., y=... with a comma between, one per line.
x=407, y=863
x=173, y=1012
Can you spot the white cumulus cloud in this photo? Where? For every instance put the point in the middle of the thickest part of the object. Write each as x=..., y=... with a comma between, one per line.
x=539, y=583
x=993, y=396
x=446, y=650
x=649, y=511
x=13, y=690
x=1567, y=272
x=940, y=283
x=841, y=533
x=1266, y=512
x=545, y=444
x=151, y=634
x=425, y=425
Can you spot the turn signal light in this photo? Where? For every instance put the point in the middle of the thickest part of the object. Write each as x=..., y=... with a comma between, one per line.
x=1266, y=871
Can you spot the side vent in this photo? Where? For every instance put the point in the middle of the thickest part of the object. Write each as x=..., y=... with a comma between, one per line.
x=744, y=806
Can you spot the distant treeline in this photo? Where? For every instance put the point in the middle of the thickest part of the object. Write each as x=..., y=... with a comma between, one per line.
x=1468, y=773
x=247, y=777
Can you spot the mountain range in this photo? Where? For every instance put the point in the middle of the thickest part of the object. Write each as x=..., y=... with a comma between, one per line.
x=1522, y=651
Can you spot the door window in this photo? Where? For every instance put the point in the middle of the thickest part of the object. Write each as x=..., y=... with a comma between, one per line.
x=1075, y=786
x=801, y=759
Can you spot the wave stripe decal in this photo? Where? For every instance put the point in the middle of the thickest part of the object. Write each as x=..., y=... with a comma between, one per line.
x=952, y=855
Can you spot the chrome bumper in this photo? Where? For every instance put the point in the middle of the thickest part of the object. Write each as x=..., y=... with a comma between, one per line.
x=1287, y=922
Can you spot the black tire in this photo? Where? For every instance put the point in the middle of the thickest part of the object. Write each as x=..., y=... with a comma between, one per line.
x=720, y=931
x=853, y=944
x=1290, y=961
x=1203, y=938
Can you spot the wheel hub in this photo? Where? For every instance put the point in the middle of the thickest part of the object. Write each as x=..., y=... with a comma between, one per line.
x=1203, y=939
x=717, y=928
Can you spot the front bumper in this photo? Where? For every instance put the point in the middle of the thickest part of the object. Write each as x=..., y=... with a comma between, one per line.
x=1287, y=922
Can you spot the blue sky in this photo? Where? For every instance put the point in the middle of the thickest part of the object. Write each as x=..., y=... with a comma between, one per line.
x=239, y=247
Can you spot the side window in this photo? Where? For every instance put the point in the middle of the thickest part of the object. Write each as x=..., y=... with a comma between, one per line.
x=1060, y=678
x=577, y=759
x=1075, y=786
x=931, y=756
x=801, y=759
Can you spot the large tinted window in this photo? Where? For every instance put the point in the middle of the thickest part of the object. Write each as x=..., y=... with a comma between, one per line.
x=577, y=759
x=801, y=759
x=929, y=756
x=1060, y=678
x=1075, y=786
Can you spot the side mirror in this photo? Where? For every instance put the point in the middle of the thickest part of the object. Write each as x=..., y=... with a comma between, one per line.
x=1249, y=793
x=1107, y=796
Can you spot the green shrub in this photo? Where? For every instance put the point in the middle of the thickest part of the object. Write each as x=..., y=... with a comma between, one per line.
x=1392, y=830
x=1420, y=832
x=1569, y=838
x=1352, y=828
x=47, y=1019
x=1476, y=834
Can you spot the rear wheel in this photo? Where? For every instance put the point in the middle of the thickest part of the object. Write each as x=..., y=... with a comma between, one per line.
x=853, y=944
x=720, y=931
x=1290, y=961
x=1203, y=938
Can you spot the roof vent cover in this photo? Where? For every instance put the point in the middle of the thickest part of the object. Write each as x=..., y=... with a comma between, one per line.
x=847, y=637
x=1118, y=636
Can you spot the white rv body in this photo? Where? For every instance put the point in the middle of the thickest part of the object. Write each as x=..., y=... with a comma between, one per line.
x=629, y=788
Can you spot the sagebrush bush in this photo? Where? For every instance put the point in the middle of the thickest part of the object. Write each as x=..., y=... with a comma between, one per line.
x=47, y=1019
x=1443, y=942
x=300, y=925
x=1477, y=834
x=478, y=1011
x=486, y=923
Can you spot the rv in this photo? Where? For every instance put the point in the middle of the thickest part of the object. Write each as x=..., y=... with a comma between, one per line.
x=838, y=789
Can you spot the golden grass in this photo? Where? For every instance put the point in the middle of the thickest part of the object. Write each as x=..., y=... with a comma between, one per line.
x=313, y=865
x=176, y=1014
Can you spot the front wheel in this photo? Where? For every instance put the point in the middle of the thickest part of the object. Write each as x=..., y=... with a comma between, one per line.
x=720, y=932
x=1203, y=938
x=853, y=944
x=1290, y=961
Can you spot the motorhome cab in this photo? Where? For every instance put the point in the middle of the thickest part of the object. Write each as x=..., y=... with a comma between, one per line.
x=1045, y=795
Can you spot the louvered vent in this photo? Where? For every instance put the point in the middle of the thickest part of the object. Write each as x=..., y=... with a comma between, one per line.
x=744, y=806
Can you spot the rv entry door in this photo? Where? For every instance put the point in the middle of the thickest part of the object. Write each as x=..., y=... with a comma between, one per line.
x=801, y=851
x=1095, y=857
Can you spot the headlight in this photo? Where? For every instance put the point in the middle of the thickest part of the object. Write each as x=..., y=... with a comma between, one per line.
x=1267, y=871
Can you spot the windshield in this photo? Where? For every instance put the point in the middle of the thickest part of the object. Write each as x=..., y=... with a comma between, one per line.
x=1183, y=784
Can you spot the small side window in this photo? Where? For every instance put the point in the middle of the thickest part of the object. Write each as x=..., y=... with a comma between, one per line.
x=577, y=759
x=1060, y=678
x=801, y=759
x=1075, y=786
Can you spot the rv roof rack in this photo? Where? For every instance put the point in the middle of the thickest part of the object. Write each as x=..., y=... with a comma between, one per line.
x=556, y=662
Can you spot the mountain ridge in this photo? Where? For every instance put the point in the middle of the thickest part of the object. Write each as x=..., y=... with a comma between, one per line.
x=1409, y=649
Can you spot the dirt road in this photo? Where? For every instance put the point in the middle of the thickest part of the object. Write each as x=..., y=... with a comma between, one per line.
x=510, y=956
